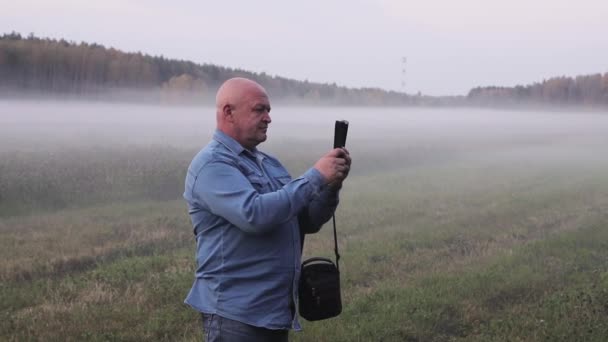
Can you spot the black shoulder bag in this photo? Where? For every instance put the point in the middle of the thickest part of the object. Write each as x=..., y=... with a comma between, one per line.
x=319, y=288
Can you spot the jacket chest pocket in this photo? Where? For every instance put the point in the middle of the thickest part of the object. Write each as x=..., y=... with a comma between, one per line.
x=259, y=183
x=283, y=179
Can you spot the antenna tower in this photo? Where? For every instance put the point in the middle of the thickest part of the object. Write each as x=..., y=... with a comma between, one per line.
x=403, y=73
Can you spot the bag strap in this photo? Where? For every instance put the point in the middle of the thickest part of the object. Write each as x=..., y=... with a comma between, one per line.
x=333, y=217
x=302, y=236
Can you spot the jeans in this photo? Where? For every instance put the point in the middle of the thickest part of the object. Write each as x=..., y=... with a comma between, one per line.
x=220, y=329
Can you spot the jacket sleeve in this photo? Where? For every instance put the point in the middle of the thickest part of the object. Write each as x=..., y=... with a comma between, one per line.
x=227, y=192
x=319, y=211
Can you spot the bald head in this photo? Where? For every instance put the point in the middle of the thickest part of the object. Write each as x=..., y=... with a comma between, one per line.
x=242, y=109
x=235, y=90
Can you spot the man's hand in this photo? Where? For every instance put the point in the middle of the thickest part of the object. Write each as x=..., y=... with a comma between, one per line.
x=334, y=167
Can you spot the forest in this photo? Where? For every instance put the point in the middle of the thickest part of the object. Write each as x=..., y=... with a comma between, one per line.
x=50, y=67
x=42, y=66
x=586, y=91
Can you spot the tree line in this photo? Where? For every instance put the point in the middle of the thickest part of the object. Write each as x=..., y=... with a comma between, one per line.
x=587, y=91
x=50, y=66
x=44, y=66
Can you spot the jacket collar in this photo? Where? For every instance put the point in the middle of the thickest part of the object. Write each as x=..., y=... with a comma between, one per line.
x=232, y=144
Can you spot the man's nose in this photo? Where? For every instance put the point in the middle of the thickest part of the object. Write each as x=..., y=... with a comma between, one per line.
x=267, y=118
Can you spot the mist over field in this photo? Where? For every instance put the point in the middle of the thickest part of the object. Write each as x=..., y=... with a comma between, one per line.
x=55, y=124
x=378, y=137
x=455, y=224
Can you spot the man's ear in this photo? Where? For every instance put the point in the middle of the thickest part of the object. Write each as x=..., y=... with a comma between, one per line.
x=227, y=113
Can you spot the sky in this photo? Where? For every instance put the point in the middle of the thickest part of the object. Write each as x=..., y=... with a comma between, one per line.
x=449, y=46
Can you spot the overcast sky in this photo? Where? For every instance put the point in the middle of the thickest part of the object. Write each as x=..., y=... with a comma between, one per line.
x=450, y=45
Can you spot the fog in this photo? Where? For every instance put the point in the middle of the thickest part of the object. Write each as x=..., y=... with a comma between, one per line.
x=34, y=126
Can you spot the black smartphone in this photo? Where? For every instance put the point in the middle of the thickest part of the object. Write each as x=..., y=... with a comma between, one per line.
x=340, y=133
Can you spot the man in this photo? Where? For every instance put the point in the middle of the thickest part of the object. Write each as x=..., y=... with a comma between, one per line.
x=247, y=214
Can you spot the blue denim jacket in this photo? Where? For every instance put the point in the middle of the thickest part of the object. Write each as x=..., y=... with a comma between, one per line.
x=246, y=212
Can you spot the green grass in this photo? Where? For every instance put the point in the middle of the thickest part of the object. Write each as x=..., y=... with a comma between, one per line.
x=451, y=248
x=553, y=289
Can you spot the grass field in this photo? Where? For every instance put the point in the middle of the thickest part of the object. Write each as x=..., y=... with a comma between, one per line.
x=485, y=239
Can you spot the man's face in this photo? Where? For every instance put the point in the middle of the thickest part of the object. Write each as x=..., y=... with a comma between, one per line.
x=251, y=118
